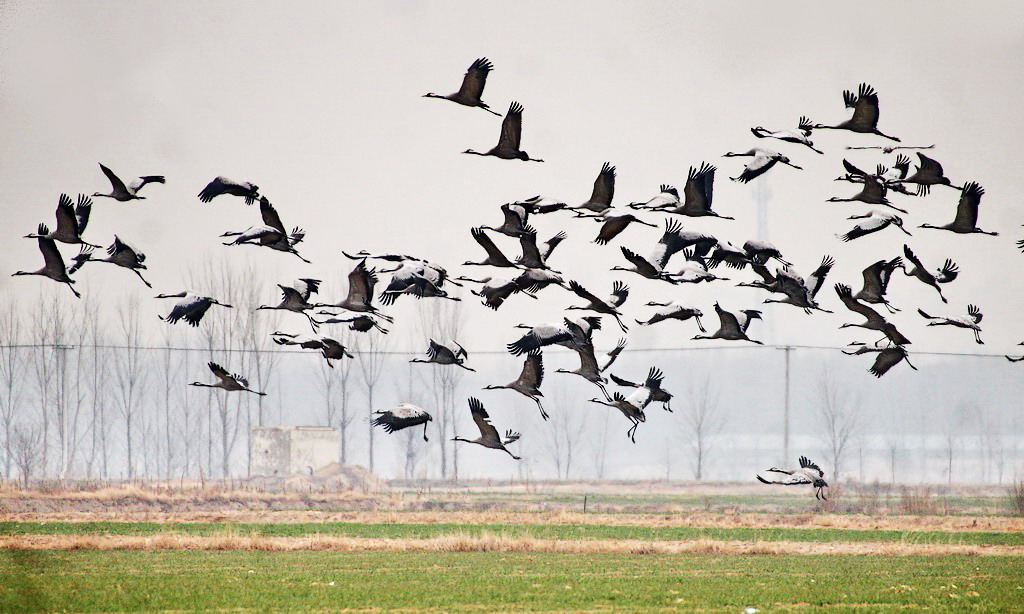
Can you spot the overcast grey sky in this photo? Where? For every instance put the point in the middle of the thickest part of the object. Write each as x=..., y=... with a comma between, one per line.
x=320, y=105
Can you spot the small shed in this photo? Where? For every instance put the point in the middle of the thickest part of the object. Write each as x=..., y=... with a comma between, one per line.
x=287, y=450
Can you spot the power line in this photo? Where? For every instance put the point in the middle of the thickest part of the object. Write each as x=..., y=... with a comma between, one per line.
x=62, y=346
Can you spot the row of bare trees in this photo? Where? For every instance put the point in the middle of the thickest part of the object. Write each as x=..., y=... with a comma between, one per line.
x=85, y=393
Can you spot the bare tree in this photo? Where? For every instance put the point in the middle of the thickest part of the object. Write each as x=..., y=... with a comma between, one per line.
x=334, y=386
x=171, y=385
x=952, y=431
x=11, y=366
x=895, y=445
x=412, y=444
x=231, y=336
x=80, y=390
x=188, y=431
x=43, y=366
x=61, y=331
x=443, y=320
x=129, y=375
x=371, y=355
x=597, y=442
x=559, y=441
x=702, y=423
x=27, y=444
x=98, y=386
x=839, y=420
x=993, y=448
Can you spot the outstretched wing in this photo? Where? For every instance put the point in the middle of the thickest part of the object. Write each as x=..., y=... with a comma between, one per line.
x=82, y=211
x=967, y=208
x=654, y=378
x=512, y=127
x=582, y=292
x=887, y=359
x=614, y=354
x=360, y=284
x=975, y=313
x=948, y=272
x=623, y=382
x=552, y=243
x=220, y=372
x=270, y=216
x=604, y=185
x=533, y=369
x=728, y=320
x=792, y=481
x=853, y=170
x=620, y=292
x=865, y=111
x=485, y=242
x=51, y=255
x=115, y=181
x=475, y=79
x=912, y=257
x=845, y=294
x=817, y=278
x=806, y=463
x=66, y=220
x=434, y=349
x=483, y=421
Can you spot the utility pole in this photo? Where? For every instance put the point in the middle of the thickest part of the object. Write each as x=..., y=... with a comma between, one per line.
x=785, y=409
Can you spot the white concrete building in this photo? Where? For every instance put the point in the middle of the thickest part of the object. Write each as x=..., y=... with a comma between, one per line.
x=286, y=450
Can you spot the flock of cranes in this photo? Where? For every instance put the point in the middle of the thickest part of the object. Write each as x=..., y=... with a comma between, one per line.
x=703, y=255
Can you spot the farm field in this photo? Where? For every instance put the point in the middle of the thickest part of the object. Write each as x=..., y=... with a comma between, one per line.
x=502, y=581
x=153, y=549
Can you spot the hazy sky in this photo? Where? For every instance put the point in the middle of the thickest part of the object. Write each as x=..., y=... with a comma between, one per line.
x=320, y=105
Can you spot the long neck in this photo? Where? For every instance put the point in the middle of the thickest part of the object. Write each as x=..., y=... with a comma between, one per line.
x=203, y=385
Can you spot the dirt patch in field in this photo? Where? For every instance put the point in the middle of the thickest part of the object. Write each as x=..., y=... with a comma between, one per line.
x=460, y=542
x=154, y=503
x=267, y=511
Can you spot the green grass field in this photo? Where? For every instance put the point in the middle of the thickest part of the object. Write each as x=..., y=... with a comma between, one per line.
x=303, y=581
x=542, y=531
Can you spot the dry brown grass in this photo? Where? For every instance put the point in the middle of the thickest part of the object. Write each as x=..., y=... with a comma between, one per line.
x=1016, y=491
x=461, y=542
x=176, y=494
x=561, y=517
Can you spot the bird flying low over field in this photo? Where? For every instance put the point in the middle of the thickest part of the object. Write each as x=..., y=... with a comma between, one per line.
x=887, y=356
x=227, y=381
x=472, y=86
x=865, y=113
x=271, y=233
x=121, y=192
x=489, y=437
x=331, y=349
x=222, y=185
x=509, y=139
x=53, y=262
x=71, y=221
x=799, y=136
x=763, y=161
x=191, y=307
x=529, y=381
x=120, y=253
x=401, y=417
x=444, y=355
x=808, y=473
